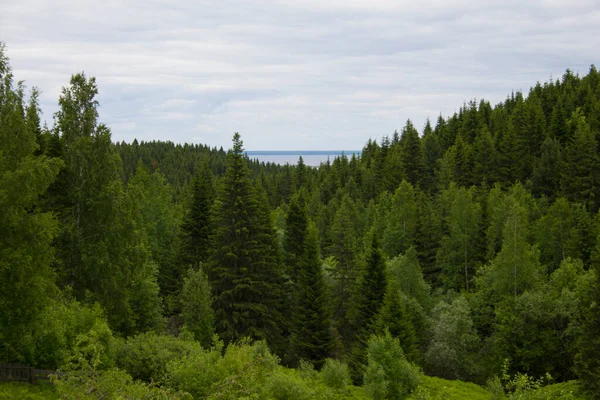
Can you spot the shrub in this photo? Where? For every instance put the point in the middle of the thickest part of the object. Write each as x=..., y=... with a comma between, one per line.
x=146, y=356
x=335, y=374
x=399, y=376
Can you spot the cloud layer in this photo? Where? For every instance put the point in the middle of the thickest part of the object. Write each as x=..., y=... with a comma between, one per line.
x=304, y=74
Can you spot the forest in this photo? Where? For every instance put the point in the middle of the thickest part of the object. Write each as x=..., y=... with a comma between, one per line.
x=459, y=261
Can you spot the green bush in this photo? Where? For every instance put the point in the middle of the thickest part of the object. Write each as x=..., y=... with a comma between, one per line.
x=88, y=384
x=399, y=377
x=284, y=385
x=58, y=329
x=146, y=356
x=335, y=374
x=242, y=371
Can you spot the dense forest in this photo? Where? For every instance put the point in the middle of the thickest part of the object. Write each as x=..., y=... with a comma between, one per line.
x=469, y=251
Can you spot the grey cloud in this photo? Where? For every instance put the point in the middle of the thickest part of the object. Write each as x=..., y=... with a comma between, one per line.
x=292, y=74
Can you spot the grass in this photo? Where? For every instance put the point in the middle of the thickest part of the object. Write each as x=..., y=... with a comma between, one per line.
x=27, y=391
x=432, y=388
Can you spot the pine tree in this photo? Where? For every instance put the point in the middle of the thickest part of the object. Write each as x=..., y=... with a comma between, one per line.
x=312, y=338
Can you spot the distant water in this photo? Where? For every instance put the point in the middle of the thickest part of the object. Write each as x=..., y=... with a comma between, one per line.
x=310, y=157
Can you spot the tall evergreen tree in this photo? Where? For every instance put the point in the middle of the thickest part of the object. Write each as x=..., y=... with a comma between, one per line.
x=245, y=291
x=295, y=233
x=401, y=228
x=545, y=178
x=312, y=338
x=580, y=173
x=395, y=318
x=411, y=154
x=368, y=301
x=196, y=228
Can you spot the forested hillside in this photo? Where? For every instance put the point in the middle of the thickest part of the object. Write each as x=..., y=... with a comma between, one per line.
x=468, y=251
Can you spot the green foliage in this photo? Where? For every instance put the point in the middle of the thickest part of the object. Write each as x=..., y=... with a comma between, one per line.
x=395, y=319
x=311, y=338
x=245, y=271
x=405, y=269
x=389, y=374
x=197, y=314
x=196, y=228
x=88, y=384
x=432, y=388
x=26, y=233
x=296, y=224
x=242, y=371
x=27, y=391
x=458, y=253
x=401, y=226
x=335, y=375
x=368, y=303
x=61, y=326
x=453, y=341
x=146, y=356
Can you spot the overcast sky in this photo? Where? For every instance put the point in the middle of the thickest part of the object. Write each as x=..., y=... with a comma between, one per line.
x=303, y=74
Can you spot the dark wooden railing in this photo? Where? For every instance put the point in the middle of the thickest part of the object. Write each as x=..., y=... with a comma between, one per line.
x=23, y=373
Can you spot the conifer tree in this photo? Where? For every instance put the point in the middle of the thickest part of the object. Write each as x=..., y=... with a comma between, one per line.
x=346, y=272
x=401, y=228
x=368, y=302
x=485, y=158
x=312, y=338
x=545, y=178
x=295, y=233
x=196, y=228
x=395, y=318
x=244, y=287
x=580, y=171
x=411, y=155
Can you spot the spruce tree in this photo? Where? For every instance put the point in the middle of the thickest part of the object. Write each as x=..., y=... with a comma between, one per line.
x=411, y=155
x=196, y=228
x=581, y=173
x=395, y=318
x=368, y=301
x=545, y=178
x=312, y=338
x=244, y=288
x=295, y=233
